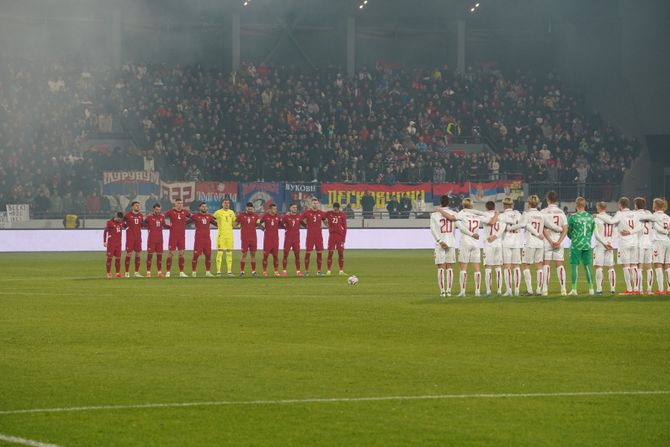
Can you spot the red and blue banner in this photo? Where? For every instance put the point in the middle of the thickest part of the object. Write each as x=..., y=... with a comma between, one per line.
x=480, y=191
x=301, y=194
x=261, y=194
x=213, y=194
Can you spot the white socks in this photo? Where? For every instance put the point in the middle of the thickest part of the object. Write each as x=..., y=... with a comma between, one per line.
x=599, y=279
x=627, y=273
x=612, y=275
x=517, y=279
x=440, y=279
x=560, y=271
x=547, y=273
x=450, y=279
x=540, y=276
x=527, y=279
x=660, y=278
x=650, y=280
x=499, y=279
x=478, y=282
x=487, y=279
x=463, y=280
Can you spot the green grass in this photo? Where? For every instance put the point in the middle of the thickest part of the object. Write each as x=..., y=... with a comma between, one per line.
x=70, y=338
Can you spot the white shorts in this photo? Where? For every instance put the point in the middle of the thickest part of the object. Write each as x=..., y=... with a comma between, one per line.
x=628, y=255
x=532, y=255
x=445, y=255
x=602, y=256
x=492, y=255
x=511, y=255
x=553, y=254
x=644, y=255
x=469, y=255
x=661, y=253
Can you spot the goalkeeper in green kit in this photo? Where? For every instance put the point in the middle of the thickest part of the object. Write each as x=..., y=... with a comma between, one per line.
x=580, y=232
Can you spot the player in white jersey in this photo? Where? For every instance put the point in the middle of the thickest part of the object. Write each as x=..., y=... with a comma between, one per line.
x=511, y=247
x=553, y=242
x=533, y=250
x=661, y=244
x=469, y=252
x=603, y=252
x=442, y=228
x=645, y=244
x=628, y=226
x=493, y=234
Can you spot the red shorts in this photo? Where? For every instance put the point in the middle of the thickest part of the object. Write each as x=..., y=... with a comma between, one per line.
x=335, y=241
x=133, y=243
x=271, y=247
x=155, y=246
x=292, y=245
x=314, y=242
x=202, y=246
x=250, y=245
x=114, y=250
x=177, y=243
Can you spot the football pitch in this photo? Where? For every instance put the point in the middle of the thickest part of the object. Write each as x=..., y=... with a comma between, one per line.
x=86, y=361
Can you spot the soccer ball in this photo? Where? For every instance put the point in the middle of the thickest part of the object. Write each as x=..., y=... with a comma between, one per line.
x=352, y=280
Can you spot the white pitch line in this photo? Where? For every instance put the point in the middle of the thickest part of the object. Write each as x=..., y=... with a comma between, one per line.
x=337, y=399
x=24, y=441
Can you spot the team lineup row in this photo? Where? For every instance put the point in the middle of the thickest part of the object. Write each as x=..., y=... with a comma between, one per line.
x=513, y=242
x=224, y=220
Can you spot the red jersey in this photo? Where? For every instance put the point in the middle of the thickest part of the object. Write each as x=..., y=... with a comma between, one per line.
x=248, y=223
x=134, y=223
x=291, y=223
x=202, y=224
x=271, y=227
x=113, y=232
x=337, y=223
x=155, y=225
x=178, y=221
x=314, y=221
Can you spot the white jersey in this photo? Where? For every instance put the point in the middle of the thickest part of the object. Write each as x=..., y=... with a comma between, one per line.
x=534, y=225
x=497, y=230
x=624, y=220
x=604, y=233
x=555, y=216
x=659, y=223
x=468, y=224
x=646, y=238
x=442, y=229
x=511, y=237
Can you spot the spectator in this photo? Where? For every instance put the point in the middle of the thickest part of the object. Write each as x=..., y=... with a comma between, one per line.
x=368, y=205
x=392, y=207
x=93, y=203
x=56, y=206
x=41, y=204
x=405, y=206
x=349, y=211
x=68, y=203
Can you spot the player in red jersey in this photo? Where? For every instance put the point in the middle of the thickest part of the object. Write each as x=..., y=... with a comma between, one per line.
x=337, y=234
x=271, y=223
x=178, y=217
x=248, y=221
x=313, y=218
x=111, y=239
x=133, y=220
x=291, y=223
x=203, y=240
x=155, y=223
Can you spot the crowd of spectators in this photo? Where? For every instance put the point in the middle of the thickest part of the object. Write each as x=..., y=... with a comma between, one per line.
x=384, y=125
